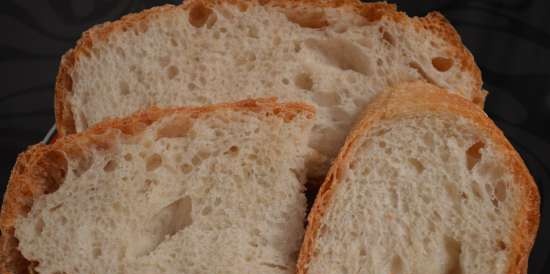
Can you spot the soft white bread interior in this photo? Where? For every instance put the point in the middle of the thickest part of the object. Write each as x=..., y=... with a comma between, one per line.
x=207, y=190
x=425, y=183
x=336, y=55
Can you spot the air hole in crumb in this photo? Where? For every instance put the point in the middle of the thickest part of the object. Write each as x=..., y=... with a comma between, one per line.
x=339, y=115
x=386, y=36
x=39, y=226
x=421, y=72
x=142, y=26
x=173, y=42
x=186, y=168
x=56, y=207
x=56, y=174
x=297, y=46
x=431, y=226
x=110, y=166
x=442, y=64
x=148, y=183
x=276, y=266
x=206, y=210
x=490, y=193
x=204, y=155
x=500, y=191
x=252, y=32
x=285, y=81
x=242, y=6
x=198, y=15
x=365, y=42
x=217, y=201
x=147, y=143
x=473, y=154
x=120, y=52
x=172, y=72
x=313, y=19
x=196, y=160
x=476, y=190
x=153, y=162
x=167, y=222
x=501, y=245
x=232, y=151
x=452, y=191
x=124, y=88
x=418, y=166
x=211, y=20
x=340, y=28
x=326, y=98
x=178, y=127
x=394, y=197
x=96, y=253
x=164, y=61
x=277, y=40
x=341, y=54
x=453, y=249
x=128, y=157
x=303, y=81
x=396, y=265
x=83, y=165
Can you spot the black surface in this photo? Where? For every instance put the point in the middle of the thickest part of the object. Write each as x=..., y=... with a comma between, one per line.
x=509, y=39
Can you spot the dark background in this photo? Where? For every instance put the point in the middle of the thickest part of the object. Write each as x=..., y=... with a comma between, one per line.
x=509, y=39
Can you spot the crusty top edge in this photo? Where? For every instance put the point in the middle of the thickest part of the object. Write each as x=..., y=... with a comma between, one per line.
x=433, y=22
x=412, y=100
x=42, y=168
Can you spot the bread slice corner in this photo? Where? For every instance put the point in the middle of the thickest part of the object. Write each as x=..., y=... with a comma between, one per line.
x=162, y=191
x=425, y=183
x=334, y=55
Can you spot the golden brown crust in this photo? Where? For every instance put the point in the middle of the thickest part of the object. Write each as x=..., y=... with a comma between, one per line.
x=433, y=22
x=413, y=99
x=42, y=168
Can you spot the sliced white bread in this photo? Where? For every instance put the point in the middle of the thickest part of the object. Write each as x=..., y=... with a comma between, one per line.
x=425, y=183
x=335, y=55
x=197, y=190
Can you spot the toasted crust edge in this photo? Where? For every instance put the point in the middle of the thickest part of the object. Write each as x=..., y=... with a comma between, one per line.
x=434, y=22
x=39, y=170
x=426, y=98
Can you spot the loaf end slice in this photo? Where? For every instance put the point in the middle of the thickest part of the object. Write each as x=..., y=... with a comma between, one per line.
x=212, y=189
x=425, y=183
x=335, y=55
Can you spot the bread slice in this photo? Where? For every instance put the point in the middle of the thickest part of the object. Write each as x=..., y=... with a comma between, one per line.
x=195, y=190
x=335, y=55
x=425, y=183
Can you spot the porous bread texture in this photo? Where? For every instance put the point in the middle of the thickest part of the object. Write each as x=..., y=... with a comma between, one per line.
x=426, y=183
x=335, y=55
x=214, y=190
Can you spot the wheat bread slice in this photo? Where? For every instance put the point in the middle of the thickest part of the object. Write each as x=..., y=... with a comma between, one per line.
x=335, y=55
x=425, y=183
x=215, y=189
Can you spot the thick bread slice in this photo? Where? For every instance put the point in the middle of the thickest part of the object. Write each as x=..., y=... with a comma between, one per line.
x=425, y=183
x=195, y=190
x=335, y=55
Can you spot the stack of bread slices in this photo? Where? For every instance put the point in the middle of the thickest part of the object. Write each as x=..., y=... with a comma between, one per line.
x=189, y=135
